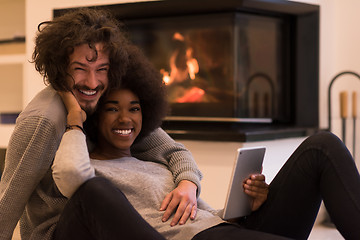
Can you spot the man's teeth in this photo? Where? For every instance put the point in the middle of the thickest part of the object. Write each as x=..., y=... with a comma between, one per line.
x=88, y=92
x=123, y=132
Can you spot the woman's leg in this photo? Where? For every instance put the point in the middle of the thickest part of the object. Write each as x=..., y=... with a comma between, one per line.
x=320, y=168
x=226, y=231
x=98, y=210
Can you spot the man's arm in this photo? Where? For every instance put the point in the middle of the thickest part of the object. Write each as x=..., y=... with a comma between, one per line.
x=29, y=156
x=160, y=147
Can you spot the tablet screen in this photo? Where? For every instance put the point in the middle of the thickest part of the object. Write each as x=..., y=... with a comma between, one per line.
x=248, y=161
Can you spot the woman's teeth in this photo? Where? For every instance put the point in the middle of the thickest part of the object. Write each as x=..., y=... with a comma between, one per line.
x=123, y=132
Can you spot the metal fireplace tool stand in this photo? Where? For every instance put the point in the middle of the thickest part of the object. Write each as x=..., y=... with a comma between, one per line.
x=344, y=108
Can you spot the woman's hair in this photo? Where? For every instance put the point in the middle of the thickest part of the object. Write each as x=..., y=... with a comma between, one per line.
x=146, y=83
x=57, y=39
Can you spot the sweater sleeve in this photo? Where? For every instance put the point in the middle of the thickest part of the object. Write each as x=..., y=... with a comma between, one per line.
x=160, y=147
x=71, y=167
x=29, y=156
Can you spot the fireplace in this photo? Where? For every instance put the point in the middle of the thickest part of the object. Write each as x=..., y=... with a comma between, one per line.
x=235, y=69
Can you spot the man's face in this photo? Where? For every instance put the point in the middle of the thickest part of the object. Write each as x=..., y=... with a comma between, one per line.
x=89, y=78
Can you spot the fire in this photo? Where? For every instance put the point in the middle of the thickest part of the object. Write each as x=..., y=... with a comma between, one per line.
x=166, y=77
x=192, y=63
x=178, y=75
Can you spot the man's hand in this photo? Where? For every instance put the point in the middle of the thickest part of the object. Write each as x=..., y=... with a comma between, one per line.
x=183, y=200
x=256, y=187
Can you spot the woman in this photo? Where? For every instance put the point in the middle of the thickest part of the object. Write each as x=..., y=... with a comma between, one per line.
x=321, y=168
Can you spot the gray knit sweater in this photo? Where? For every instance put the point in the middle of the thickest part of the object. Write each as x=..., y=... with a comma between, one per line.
x=27, y=189
x=145, y=184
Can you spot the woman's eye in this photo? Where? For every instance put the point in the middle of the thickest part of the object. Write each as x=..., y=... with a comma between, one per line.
x=135, y=109
x=110, y=109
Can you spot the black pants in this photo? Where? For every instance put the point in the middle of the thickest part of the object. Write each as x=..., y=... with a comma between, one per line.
x=320, y=168
x=98, y=210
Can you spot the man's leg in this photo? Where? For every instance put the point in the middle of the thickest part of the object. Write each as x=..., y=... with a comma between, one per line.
x=98, y=210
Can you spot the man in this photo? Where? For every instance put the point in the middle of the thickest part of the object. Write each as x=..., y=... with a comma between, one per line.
x=86, y=53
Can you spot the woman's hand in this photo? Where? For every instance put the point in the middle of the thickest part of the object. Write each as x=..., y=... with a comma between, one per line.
x=76, y=116
x=183, y=200
x=256, y=187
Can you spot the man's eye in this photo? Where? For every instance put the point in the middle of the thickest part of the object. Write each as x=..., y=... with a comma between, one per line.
x=102, y=69
x=78, y=69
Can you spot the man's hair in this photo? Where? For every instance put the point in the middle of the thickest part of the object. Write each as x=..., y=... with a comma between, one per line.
x=146, y=83
x=57, y=39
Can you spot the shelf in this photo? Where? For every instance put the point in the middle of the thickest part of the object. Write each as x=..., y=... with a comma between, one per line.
x=12, y=59
x=5, y=133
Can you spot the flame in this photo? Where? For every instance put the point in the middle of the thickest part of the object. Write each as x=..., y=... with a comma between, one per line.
x=166, y=77
x=178, y=75
x=192, y=63
x=178, y=36
x=194, y=94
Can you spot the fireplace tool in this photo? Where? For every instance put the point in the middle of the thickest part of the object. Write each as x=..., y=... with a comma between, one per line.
x=354, y=115
x=343, y=113
x=343, y=106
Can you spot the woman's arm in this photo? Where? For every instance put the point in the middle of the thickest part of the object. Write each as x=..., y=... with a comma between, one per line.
x=71, y=167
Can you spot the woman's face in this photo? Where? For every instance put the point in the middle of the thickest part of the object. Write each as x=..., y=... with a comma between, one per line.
x=120, y=121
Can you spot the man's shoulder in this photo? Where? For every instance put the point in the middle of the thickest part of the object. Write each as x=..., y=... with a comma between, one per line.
x=46, y=104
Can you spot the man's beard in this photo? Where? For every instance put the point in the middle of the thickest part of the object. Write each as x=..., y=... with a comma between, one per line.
x=89, y=109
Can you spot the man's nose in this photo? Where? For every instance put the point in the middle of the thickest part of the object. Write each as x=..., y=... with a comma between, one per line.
x=91, y=80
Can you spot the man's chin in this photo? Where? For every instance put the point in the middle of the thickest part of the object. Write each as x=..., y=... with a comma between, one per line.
x=89, y=109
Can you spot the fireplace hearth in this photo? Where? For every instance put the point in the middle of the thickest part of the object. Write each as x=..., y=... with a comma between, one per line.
x=236, y=70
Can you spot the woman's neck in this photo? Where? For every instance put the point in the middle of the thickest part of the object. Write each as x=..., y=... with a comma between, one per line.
x=100, y=154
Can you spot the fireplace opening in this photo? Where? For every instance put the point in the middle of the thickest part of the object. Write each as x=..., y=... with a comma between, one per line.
x=218, y=66
x=234, y=70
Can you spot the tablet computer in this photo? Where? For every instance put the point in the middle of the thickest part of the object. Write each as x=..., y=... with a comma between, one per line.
x=248, y=161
